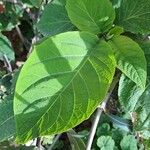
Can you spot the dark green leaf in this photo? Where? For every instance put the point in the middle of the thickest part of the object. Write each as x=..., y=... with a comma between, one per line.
x=54, y=19
x=7, y=122
x=128, y=53
x=72, y=73
x=134, y=16
x=94, y=16
x=5, y=48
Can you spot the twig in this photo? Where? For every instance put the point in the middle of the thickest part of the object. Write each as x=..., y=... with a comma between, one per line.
x=7, y=63
x=54, y=142
x=100, y=109
x=38, y=143
x=25, y=42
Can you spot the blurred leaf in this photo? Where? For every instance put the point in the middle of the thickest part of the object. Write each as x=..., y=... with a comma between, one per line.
x=129, y=143
x=6, y=48
x=76, y=142
x=105, y=143
x=7, y=123
x=36, y=3
x=104, y=129
x=10, y=17
x=121, y=123
x=47, y=139
x=54, y=19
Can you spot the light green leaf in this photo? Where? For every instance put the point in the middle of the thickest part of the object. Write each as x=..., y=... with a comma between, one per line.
x=94, y=16
x=5, y=48
x=130, y=59
x=105, y=143
x=134, y=16
x=76, y=143
x=54, y=19
x=129, y=143
x=7, y=122
x=61, y=84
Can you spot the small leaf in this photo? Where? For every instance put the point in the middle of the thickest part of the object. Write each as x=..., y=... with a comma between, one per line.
x=76, y=143
x=115, y=31
x=94, y=16
x=129, y=143
x=54, y=19
x=105, y=143
x=6, y=48
x=134, y=16
x=128, y=53
x=72, y=73
x=7, y=122
x=104, y=129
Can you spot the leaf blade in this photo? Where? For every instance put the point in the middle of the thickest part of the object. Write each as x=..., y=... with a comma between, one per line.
x=68, y=93
x=85, y=15
x=127, y=54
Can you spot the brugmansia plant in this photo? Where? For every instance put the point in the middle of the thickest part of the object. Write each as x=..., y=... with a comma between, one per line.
x=69, y=74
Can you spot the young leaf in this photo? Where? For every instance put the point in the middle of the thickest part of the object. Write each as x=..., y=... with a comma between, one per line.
x=134, y=16
x=7, y=122
x=54, y=19
x=94, y=16
x=106, y=143
x=5, y=48
x=130, y=59
x=61, y=84
x=129, y=143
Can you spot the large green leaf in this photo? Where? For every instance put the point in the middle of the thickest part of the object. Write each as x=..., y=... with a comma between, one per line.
x=130, y=59
x=61, y=84
x=7, y=122
x=54, y=19
x=134, y=15
x=95, y=16
x=5, y=48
